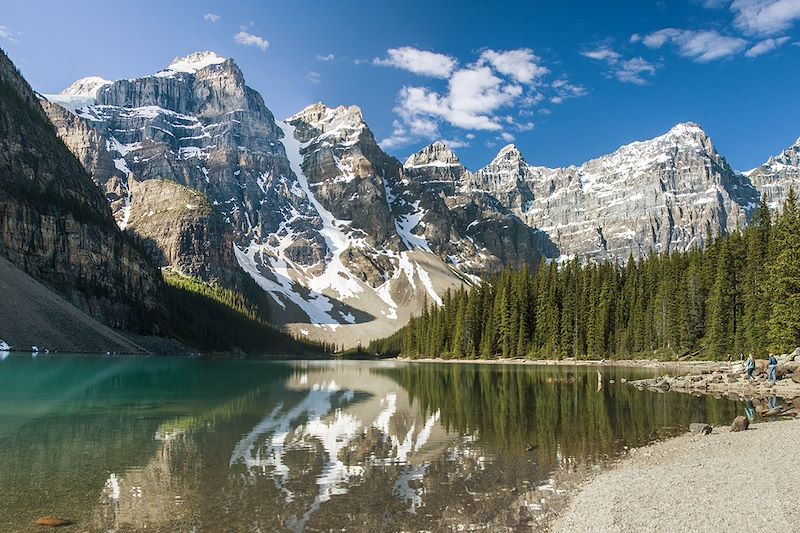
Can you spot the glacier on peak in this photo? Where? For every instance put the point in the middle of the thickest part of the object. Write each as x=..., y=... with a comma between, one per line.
x=192, y=63
x=86, y=87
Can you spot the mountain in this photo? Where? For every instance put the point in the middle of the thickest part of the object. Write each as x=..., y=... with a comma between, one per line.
x=780, y=173
x=346, y=243
x=664, y=194
x=347, y=240
x=56, y=226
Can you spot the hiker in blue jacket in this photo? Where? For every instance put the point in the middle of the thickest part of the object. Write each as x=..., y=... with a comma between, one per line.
x=772, y=368
x=750, y=365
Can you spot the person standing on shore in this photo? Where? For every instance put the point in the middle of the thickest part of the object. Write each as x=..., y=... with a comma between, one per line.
x=772, y=368
x=750, y=365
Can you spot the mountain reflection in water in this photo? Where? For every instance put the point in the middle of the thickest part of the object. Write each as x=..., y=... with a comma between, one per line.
x=180, y=444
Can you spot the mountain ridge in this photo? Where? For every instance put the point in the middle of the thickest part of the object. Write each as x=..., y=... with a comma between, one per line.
x=337, y=231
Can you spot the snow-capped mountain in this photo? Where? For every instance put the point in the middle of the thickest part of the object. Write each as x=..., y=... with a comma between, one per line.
x=194, y=163
x=780, y=173
x=348, y=241
x=663, y=194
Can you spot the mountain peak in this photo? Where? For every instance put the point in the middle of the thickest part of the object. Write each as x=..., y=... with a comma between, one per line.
x=87, y=87
x=686, y=128
x=508, y=153
x=321, y=113
x=193, y=62
x=435, y=154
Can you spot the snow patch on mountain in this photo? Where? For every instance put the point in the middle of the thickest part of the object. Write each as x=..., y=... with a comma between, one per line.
x=86, y=87
x=336, y=275
x=191, y=63
x=317, y=307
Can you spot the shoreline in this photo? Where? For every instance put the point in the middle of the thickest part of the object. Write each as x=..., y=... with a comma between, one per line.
x=628, y=363
x=712, y=378
x=723, y=481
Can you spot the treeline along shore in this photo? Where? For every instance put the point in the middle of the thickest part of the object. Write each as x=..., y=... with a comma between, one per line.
x=738, y=294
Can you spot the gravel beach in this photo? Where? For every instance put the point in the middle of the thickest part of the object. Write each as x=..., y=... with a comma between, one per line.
x=724, y=481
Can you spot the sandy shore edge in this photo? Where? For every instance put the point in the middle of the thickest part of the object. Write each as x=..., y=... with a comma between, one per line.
x=719, y=482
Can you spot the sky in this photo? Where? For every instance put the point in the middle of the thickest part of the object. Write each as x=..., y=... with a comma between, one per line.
x=565, y=81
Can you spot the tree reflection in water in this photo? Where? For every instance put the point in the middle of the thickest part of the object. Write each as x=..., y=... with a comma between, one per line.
x=174, y=444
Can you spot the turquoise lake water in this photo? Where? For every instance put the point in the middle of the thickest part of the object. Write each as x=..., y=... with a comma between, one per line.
x=178, y=444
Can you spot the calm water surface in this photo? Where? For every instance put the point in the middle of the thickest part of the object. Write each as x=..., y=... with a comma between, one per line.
x=175, y=444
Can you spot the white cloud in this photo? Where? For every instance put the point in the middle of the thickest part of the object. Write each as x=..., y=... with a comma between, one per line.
x=6, y=34
x=474, y=95
x=399, y=137
x=507, y=137
x=701, y=46
x=602, y=54
x=211, y=17
x=406, y=132
x=633, y=70
x=767, y=45
x=765, y=17
x=248, y=39
x=455, y=144
x=418, y=61
x=314, y=77
x=328, y=57
x=521, y=65
x=494, y=93
x=625, y=70
x=565, y=90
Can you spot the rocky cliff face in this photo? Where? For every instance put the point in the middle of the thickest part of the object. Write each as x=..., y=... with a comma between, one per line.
x=780, y=173
x=665, y=194
x=195, y=124
x=311, y=208
x=56, y=225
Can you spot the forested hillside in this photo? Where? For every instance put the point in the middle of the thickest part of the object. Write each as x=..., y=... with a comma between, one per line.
x=740, y=294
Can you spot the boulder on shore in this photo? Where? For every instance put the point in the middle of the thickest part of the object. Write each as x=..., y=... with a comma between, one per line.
x=740, y=423
x=700, y=428
x=51, y=521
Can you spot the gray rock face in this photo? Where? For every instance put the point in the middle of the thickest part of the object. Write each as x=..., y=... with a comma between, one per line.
x=664, y=194
x=780, y=173
x=192, y=156
x=55, y=224
x=195, y=124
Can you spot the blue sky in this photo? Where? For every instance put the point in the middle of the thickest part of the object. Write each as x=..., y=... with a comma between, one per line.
x=565, y=81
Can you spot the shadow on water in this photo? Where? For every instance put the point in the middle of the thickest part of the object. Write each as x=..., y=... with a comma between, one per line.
x=173, y=444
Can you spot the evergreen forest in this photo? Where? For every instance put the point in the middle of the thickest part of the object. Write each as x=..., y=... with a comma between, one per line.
x=738, y=294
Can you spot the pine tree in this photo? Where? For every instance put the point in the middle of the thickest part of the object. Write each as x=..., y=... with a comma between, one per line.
x=784, y=279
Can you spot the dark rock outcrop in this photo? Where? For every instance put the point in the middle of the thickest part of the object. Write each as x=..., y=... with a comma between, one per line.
x=56, y=225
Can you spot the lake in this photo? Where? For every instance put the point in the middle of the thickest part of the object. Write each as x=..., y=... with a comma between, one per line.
x=182, y=444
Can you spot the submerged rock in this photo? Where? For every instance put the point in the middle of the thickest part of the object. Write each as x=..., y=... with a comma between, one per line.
x=740, y=423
